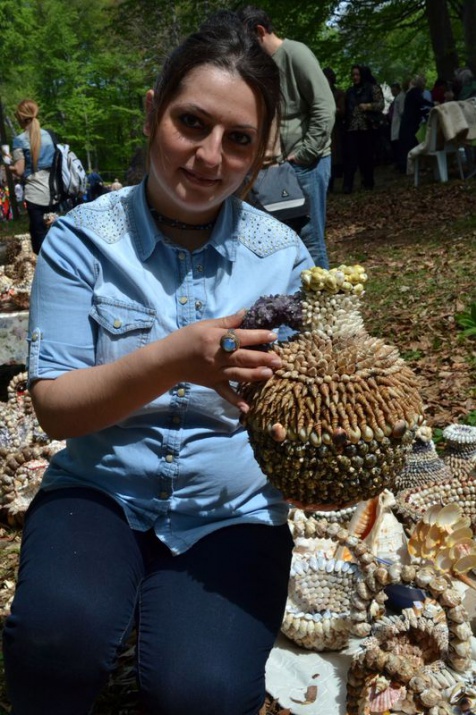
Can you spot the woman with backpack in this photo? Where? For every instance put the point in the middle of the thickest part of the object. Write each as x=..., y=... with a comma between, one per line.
x=33, y=151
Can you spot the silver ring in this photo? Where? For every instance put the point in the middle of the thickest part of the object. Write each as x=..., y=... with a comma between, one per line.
x=229, y=342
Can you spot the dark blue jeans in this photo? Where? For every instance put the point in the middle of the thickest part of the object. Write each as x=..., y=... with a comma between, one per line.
x=206, y=620
x=38, y=228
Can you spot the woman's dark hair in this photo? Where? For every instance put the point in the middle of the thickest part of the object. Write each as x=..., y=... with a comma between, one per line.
x=223, y=42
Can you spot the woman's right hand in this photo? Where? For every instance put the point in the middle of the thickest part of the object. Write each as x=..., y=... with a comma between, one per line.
x=200, y=359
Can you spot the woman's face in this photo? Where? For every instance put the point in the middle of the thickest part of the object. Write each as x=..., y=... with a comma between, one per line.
x=355, y=75
x=204, y=146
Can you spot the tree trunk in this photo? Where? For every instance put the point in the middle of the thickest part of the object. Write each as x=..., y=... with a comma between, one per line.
x=469, y=32
x=442, y=40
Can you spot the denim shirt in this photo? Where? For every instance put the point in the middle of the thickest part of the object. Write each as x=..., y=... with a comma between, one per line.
x=108, y=282
x=45, y=158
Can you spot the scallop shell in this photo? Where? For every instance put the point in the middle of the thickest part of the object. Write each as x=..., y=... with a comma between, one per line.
x=380, y=702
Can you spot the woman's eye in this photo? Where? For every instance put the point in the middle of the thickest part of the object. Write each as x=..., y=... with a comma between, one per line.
x=240, y=138
x=191, y=121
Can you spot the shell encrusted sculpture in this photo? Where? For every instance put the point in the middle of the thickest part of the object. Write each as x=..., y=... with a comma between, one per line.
x=335, y=423
x=460, y=449
x=329, y=598
x=423, y=464
x=421, y=653
x=411, y=504
x=25, y=452
x=16, y=275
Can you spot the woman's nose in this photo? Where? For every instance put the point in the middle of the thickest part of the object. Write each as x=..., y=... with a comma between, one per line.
x=210, y=148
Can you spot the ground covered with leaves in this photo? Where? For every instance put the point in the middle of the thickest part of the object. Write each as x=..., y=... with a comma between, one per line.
x=418, y=246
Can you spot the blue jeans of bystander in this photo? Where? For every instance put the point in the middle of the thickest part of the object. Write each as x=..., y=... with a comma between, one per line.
x=314, y=180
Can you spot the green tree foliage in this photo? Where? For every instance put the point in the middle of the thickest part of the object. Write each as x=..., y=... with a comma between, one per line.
x=88, y=63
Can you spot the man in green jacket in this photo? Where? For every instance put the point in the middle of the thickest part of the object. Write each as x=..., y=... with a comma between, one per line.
x=308, y=116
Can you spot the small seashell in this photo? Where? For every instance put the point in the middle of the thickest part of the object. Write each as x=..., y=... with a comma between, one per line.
x=278, y=432
x=423, y=577
x=380, y=702
x=429, y=697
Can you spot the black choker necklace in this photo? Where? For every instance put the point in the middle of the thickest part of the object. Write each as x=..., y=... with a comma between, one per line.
x=173, y=223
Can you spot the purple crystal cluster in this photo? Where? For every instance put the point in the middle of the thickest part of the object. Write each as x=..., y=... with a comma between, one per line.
x=271, y=311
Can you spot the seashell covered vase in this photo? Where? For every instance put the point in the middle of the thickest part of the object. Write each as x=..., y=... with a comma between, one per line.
x=335, y=423
x=423, y=464
x=329, y=598
x=460, y=449
x=423, y=651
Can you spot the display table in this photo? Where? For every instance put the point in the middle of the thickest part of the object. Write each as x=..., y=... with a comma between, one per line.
x=13, y=330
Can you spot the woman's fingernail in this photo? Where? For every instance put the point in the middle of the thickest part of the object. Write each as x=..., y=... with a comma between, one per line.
x=275, y=362
x=266, y=372
x=271, y=337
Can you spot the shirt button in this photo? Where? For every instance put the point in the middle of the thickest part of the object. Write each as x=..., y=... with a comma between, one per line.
x=198, y=304
x=176, y=419
x=35, y=337
x=169, y=458
x=117, y=323
x=181, y=256
x=181, y=392
x=163, y=495
x=183, y=300
x=200, y=268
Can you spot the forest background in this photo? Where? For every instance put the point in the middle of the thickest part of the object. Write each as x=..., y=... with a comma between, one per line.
x=88, y=63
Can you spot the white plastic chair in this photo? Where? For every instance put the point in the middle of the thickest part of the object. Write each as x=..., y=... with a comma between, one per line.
x=437, y=147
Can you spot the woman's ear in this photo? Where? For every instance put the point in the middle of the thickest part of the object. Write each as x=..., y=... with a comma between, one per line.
x=149, y=111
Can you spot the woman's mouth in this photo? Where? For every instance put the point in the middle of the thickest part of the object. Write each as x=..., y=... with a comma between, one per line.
x=198, y=179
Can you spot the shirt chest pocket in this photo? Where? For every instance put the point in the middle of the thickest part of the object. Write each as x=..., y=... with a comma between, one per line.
x=122, y=327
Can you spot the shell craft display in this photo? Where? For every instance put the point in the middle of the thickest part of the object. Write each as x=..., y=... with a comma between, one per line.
x=25, y=452
x=425, y=651
x=460, y=449
x=423, y=464
x=331, y=597
x=335, y=423
x=16, y=275
x=412, y=504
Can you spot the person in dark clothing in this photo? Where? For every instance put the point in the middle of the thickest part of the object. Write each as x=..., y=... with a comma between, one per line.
x=95, y=185
x=364, y=102
x=415, y=110
x=337, y=136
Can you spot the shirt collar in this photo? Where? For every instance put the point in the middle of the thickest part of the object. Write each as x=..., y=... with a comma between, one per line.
x=224, y=238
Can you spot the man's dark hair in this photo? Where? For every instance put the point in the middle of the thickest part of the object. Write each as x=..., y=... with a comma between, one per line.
x=252, y=16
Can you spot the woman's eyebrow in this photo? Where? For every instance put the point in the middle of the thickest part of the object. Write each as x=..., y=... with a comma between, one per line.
x=191, y=107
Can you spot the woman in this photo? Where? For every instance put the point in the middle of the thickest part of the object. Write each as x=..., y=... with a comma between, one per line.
x=33, y=152
x=415, y=111
x=364, y=102
x=156, y=514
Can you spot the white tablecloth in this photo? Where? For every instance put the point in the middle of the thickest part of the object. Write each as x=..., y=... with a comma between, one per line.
x=13, y=345
x=290, y=671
